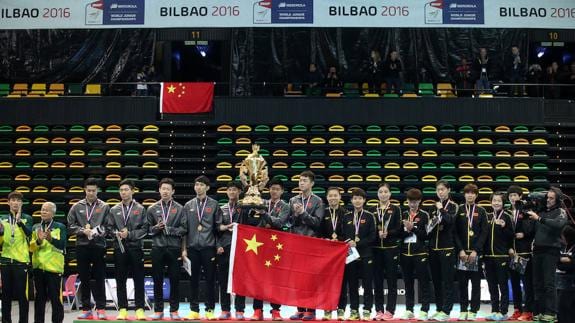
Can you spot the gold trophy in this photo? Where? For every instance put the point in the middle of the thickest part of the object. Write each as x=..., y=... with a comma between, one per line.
x=254, y=175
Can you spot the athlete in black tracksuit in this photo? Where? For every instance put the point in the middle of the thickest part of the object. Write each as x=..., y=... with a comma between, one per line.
x=442, y=254
x=471, y=232
x=358, y=227
x=522, y=244
x=499, y=240
x=414, y=260
x=386, y=256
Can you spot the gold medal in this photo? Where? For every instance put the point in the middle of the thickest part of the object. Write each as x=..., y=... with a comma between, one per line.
x=471, y=233
x=334, y=236
x=356, y=239
x=87, y=226
x=200, y=227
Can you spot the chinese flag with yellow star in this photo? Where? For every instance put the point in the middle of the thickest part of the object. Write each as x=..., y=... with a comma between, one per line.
x=180, y=97
x=286, y=268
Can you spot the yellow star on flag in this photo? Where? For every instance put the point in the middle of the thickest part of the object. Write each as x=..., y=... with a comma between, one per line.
x=268, y=263
x=253, y=244
x=277, y=257
x=280, y=246
x=274, y=237
x=171, y=89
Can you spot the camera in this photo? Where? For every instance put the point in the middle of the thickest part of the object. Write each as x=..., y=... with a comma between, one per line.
x=535, y=202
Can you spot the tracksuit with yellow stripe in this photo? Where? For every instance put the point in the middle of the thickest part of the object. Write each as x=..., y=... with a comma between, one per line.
x=499, y=240
x=442, y=255
x=414, y=260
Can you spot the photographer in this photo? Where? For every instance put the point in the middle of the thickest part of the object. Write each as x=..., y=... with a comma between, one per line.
x=546, y=251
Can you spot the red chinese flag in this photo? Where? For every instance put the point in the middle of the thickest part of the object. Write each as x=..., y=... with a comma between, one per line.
x=179, y=97
x=286, y=268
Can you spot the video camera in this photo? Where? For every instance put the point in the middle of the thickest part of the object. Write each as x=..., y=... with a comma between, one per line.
x=535, y=202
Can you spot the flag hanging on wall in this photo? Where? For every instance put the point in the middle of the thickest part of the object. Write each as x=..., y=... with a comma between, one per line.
x=186, y=97
x=286, y=268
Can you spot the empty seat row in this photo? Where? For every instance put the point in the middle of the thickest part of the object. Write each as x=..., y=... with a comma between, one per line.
x=377, y=128
x=78, y=128
x=80, y=152
x=380, y=141
x=387, y=153
x=78, y=140
x=393, y=165
x=60, y=164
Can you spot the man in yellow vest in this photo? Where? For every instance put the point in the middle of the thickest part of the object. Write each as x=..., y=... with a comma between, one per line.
x=14, y=260
x=48, y=247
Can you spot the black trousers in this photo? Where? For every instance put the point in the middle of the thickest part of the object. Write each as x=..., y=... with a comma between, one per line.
x=497, y=274
x=361, y=268
x=92, y=265
x=566, y=311
x=206, y=259
x=416, y=267
x=48, y=286
x=14, y=286
x=344, y=290
x=162, y=257
x=442, y=264
x=130, y=261
x=259, y=304
x=527, y=280
x=385, y=262
x=463, y=278
x=225, y=297
x=544, y=266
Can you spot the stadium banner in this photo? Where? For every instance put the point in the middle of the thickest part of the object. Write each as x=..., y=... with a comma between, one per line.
x=91, y=14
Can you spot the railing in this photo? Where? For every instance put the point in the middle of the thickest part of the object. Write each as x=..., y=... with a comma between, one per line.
x=278, y=89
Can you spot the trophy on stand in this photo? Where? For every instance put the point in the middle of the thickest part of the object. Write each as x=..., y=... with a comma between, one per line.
x=254, y=175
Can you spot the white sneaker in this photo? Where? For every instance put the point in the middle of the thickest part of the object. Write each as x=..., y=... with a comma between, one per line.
x=408, y=315
x=462, y=316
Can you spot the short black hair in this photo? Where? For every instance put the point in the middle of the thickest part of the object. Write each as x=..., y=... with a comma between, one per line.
x=128, y=182
x=414, y=194
x=309, y=174
x=514, y=189
x=359, y=192
x=494, y=194
x=333, y=188
x=471, y=188
x=167, y=180
x=202, y=179
x=276, y=180
x=15, y=195
x=386, y=184
x=235, y=184
x=444, y=183
x=91, y=181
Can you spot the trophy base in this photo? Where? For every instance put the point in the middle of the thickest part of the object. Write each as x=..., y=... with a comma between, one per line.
x=252, y=202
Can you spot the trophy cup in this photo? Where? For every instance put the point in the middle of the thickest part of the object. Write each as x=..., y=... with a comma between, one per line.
x=254, y=173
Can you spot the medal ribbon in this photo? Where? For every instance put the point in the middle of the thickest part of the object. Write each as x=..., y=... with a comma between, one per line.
x=126, y=212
